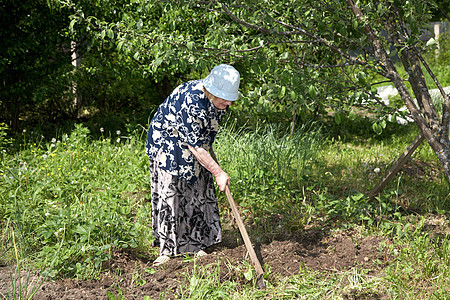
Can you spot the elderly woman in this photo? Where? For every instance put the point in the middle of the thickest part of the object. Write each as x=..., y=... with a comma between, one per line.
x=185, y=215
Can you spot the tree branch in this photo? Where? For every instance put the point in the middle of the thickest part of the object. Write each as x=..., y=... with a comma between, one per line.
x=296, y=31
x=443, y=12
x=445, y=120
x=246, y=24
x=411, y=63
x=329, y=66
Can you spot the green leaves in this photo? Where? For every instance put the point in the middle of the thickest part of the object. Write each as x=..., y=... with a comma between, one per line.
x=338, y=118
x=361, y=78
x=190, y=45
x=72, y=24
x=352, y=115
x=293, y=95
x=379, y=126
x=294, y=55
x=312, y=91
x=77, y=191
x=282, y=92
x=248, y=274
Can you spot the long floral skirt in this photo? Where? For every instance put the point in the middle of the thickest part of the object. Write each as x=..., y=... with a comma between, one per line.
x=185, y=217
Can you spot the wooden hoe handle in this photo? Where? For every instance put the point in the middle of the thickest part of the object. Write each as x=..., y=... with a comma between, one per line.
x=248, y=244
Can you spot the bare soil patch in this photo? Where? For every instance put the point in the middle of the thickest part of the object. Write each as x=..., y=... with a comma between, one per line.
x=131, y=273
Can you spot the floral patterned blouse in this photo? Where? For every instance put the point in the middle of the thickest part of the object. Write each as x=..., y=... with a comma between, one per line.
x=186, y=117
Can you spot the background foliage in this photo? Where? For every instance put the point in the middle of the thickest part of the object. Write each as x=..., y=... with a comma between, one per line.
x=134, y=53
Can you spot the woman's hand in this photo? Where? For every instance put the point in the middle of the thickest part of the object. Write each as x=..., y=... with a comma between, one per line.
x=207, y=161
x=222, y=181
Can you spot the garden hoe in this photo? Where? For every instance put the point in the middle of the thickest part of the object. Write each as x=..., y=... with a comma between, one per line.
x=248, y=244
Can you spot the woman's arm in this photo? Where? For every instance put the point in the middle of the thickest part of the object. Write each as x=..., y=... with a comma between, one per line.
x=210, y=163
x=213, y=155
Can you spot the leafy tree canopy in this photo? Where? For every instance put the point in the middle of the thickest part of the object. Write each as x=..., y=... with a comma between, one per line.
x=302, y=56
x=34, y=42
x=306, y=56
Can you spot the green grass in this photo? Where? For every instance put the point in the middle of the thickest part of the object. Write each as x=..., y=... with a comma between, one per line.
x=89, y=193
x=267, y=167
x=419, y=269
x=359, y=164
x=71, y=200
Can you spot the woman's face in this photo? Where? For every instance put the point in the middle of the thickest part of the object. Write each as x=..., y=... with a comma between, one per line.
x=219, y=103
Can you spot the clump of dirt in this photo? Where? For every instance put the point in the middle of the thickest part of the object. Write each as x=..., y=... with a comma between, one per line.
x=132, y=275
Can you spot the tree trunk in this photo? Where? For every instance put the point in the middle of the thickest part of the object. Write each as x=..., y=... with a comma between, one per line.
x=423, y=114
x=78, y=100
x=14, y=122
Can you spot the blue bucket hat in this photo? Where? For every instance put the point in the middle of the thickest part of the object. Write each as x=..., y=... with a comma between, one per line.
x=223, y=82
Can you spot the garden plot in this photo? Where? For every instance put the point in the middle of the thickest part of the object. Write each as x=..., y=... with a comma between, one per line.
x=131, y=274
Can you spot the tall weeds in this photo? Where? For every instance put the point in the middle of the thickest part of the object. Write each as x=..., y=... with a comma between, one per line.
x=79, y=190
x=269, y=166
